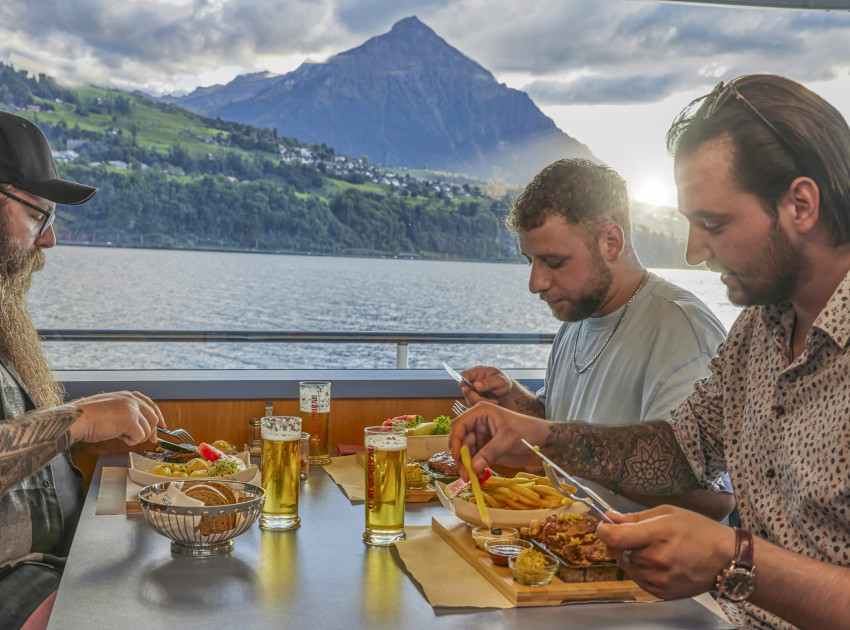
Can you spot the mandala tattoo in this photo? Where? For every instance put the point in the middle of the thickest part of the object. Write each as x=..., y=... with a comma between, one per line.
x=640, y=458
x=29, y=442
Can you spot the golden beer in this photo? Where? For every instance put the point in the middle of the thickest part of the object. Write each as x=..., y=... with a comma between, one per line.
x=315, y=406
x=386, y=455
x=281, y=472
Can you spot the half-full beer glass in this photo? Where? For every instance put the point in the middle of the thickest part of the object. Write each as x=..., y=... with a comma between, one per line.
x=386, y=455
x=316, y=410
x=281, y=473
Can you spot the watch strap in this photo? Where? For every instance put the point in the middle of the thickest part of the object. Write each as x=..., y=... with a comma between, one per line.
x=743, y=549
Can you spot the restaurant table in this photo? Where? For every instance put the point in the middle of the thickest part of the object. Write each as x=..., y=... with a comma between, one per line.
x=122, y=574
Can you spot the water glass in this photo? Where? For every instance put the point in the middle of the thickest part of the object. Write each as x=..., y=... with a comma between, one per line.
x=386, y=455
x=315, y=405
x=281, y=472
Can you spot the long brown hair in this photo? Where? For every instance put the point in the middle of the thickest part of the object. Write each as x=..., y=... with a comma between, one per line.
x=780, y=130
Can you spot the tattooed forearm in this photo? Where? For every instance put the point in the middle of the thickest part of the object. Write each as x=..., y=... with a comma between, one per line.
x=642, y=458
x=531, y=406
x=30, y=441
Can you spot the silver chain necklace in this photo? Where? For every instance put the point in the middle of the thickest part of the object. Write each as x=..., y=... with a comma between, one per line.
x=580, y=368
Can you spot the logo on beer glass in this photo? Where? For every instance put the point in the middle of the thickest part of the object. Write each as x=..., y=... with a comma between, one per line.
x=315, y=406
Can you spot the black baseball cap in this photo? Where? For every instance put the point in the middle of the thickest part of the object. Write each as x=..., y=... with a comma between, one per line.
x=27, y=163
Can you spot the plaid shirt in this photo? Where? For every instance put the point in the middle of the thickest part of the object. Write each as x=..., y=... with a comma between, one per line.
x=781, y=427
x=37, y=518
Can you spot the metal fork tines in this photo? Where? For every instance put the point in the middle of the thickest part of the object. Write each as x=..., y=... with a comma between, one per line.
x=181, y=434
x=458, y=408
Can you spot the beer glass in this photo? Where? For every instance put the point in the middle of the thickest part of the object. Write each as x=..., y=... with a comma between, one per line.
x=386, y=455
x=316, y=410
x=281, y=473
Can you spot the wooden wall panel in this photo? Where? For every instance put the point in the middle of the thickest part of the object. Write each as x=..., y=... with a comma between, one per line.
x=210, y=420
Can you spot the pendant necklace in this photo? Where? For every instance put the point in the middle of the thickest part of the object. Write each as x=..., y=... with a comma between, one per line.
x=580, y=368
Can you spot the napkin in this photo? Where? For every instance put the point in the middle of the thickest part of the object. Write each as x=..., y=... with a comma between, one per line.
x=348, y=474
x=429, y=559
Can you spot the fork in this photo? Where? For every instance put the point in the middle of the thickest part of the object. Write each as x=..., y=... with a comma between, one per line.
x=458, y=408
x=181, y=434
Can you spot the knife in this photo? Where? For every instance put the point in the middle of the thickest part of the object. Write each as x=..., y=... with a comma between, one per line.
x=177, y=448
x=595, y=501
x=460, y=379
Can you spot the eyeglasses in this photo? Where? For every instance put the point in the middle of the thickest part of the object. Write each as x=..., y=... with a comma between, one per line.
x=49, y=217
x=721, y=95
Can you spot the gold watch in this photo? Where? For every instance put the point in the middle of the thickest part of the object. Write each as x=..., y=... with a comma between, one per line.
x=737, y=581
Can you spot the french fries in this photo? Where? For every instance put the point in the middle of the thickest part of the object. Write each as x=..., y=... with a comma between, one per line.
x=525, y=491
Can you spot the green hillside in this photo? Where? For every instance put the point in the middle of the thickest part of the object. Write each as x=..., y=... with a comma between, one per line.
x=172, y=178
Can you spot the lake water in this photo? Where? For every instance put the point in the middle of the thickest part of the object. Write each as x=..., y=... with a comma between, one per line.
x=110, y=288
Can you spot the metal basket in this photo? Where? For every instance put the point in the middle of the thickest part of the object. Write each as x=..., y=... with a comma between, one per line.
x=183, y=524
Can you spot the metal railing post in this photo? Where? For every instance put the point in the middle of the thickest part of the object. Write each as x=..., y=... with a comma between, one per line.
x=401, y=355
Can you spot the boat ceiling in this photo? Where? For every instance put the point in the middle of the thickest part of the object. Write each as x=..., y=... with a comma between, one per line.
x=820, y=5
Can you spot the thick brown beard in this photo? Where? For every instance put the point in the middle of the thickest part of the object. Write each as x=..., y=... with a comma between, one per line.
x=19, y=340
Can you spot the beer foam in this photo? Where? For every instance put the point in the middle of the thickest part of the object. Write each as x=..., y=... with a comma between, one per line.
x=386, y=442
x=281, y=432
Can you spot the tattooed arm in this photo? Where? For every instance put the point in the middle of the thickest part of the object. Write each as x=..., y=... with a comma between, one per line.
x=504, y=390
x=30, y=441
x=642, y=458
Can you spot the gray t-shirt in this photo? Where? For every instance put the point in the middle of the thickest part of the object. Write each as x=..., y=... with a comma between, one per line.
x=661, y=348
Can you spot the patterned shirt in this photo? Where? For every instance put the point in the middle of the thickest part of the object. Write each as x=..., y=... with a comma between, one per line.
x=781, y=427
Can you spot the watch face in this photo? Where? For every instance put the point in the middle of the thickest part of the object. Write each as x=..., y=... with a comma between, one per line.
x=738, y=584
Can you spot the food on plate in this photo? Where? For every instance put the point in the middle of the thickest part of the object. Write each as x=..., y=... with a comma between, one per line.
x=224, y=446
x=482, y=534
x=525, y=491
x=213, y=453
x=408, y=421
x=200, y=467
x=444, y=464
x=573, y=537
x=533, y=568
x=500, y=549
x=164, y=455
x=415, y=476
x=222, y=467
x=438, y=426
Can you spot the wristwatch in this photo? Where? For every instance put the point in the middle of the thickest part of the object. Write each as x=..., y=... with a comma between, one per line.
x=737, y=581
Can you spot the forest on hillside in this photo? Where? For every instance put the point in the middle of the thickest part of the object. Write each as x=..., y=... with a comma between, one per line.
x=233, y=190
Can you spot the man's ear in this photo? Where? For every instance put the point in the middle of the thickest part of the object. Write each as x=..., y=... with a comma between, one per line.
x=611, y=242
x=801, y=204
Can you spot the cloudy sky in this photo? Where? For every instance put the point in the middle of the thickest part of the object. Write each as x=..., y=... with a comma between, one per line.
x=612, y=73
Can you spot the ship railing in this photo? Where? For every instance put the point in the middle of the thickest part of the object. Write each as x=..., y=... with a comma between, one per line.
x=402, y=341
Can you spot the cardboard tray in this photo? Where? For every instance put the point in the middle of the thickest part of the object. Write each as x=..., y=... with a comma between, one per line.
x=459, y=536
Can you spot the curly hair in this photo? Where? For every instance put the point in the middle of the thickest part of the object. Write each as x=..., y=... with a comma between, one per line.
x=585, y=193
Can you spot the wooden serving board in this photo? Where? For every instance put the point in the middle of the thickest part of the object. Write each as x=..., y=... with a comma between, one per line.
x=459, y=535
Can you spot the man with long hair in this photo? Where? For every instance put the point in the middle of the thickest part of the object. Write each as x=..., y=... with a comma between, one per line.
x=762, y=166
x=40, y=490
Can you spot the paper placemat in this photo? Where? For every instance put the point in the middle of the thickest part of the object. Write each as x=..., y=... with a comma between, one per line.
x=429, y=559
x=348, y=475
x=112, y=495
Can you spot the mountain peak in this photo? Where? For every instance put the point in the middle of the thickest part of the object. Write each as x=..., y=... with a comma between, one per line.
x=403, y=98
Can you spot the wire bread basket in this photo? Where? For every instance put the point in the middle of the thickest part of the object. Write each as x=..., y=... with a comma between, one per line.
x=202, y=531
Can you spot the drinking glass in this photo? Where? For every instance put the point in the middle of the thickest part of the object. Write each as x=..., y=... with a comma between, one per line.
x=316, y=408
x=386, y=455
x=281, y=472
x=305, y=458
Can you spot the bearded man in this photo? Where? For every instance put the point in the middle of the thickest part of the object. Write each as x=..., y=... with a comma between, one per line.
x=632, y=344
x=40, y=490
